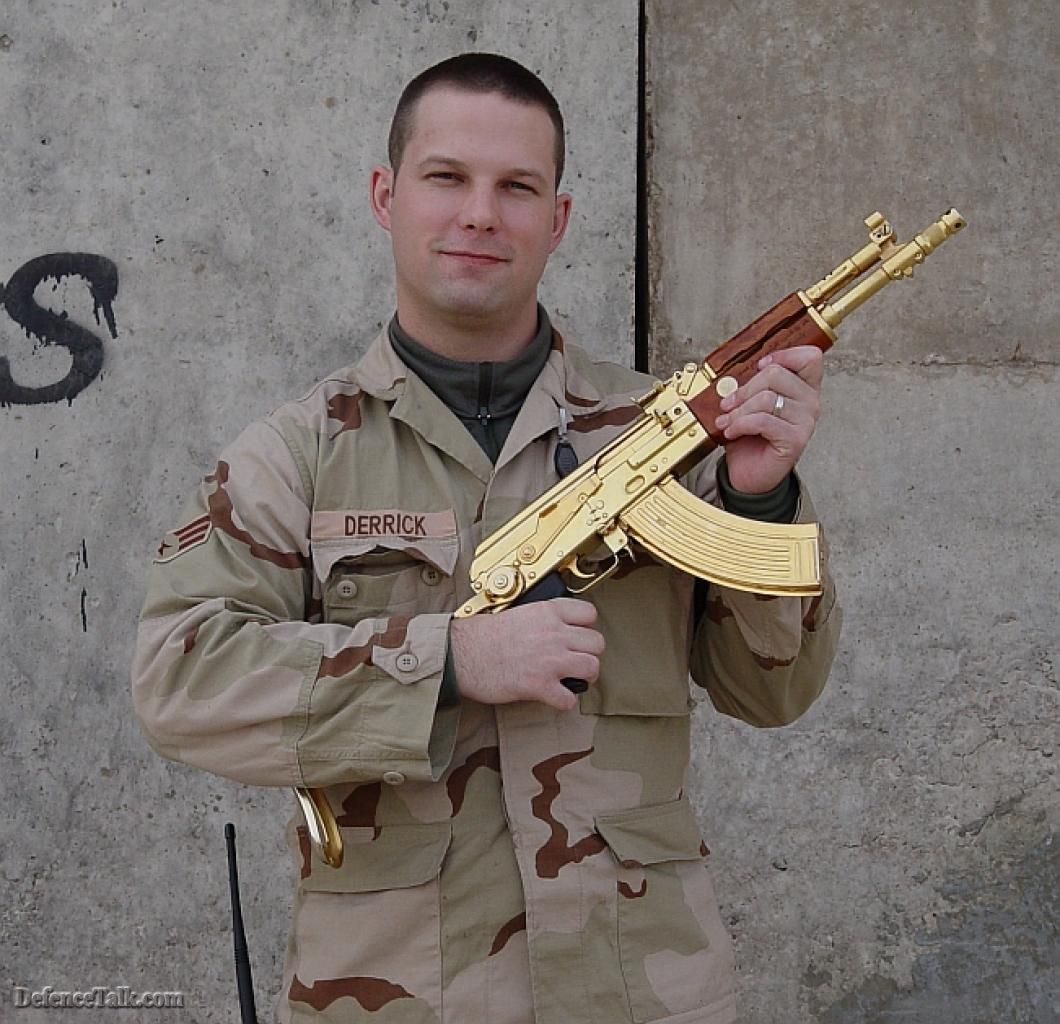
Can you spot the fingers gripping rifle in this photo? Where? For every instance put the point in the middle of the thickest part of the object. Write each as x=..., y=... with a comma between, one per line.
x=630, y=491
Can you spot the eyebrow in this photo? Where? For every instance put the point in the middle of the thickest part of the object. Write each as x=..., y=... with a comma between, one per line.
x=514, y=172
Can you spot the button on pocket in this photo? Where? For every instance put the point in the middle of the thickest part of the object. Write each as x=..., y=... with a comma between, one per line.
x=407, y=662
x=361, y=580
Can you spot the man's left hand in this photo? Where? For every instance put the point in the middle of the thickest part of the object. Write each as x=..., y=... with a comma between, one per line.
x=769, y=421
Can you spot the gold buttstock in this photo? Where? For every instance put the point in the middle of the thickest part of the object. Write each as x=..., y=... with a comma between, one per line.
x=320, y=821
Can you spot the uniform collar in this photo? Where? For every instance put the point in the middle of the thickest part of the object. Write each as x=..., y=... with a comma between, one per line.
x=567, y=376
x=567, y=380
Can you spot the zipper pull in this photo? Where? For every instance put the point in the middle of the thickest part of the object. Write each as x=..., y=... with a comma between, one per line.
x=566, y=460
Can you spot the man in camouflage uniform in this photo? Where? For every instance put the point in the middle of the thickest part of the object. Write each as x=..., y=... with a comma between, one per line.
x=513, y=853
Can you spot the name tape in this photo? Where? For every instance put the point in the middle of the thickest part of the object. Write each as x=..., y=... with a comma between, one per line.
x=383, y=522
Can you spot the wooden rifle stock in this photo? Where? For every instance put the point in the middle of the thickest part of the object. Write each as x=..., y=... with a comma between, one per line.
x=788, y=324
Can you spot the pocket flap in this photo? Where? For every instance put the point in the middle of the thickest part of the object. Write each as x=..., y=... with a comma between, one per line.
x=398, y=857
x=652, y=834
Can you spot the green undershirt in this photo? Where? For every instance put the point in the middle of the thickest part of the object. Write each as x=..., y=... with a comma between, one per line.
x=485, y=396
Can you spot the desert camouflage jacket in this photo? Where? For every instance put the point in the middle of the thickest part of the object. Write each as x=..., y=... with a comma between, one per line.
x=503, y=865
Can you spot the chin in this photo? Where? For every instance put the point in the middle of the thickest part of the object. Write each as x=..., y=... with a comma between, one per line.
x=474, y=305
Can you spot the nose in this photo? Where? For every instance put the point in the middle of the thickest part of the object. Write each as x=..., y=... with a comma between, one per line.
x=479, y=212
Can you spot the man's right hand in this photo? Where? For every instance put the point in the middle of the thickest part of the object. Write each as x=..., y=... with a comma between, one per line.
x=523, y=653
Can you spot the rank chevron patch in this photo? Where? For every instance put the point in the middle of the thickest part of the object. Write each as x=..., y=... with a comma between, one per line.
x=189, y=536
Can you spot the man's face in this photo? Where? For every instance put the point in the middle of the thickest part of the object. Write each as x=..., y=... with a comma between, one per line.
x=472, y=213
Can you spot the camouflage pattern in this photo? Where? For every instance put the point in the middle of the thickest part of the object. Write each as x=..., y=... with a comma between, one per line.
x=503, y=864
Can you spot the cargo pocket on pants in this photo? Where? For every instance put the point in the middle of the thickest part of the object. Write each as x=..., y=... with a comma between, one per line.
x=675, y=952
x=369, y=932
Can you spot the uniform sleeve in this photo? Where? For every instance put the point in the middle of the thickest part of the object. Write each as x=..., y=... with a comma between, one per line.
x=229, y=674
x=763, y=659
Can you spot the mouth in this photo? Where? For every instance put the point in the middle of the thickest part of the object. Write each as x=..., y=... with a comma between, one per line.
x=482, y=259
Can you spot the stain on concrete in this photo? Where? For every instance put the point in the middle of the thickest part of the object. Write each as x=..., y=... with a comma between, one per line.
x=995, y=958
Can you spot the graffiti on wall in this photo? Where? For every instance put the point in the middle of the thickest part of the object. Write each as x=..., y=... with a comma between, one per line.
x=50, y=328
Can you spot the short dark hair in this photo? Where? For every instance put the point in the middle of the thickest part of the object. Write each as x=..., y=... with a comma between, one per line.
x=477, y=73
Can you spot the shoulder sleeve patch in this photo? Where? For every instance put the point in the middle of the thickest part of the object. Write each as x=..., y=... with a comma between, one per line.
x=184, y=538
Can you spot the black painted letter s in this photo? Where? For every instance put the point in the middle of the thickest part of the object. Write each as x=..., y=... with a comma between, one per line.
x=52, y=329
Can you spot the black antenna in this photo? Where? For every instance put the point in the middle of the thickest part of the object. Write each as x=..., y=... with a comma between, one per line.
x=244, y=982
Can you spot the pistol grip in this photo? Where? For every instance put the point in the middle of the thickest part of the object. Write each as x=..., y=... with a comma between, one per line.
x=550, y=587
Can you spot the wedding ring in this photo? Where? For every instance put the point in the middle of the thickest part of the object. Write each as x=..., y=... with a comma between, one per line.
x=778, y=405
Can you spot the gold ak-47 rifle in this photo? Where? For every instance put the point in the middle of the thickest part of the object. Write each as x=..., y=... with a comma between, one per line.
x=629, y=491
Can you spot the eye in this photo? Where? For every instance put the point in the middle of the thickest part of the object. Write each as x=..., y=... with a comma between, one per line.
x=521, y=186
x=443, y=176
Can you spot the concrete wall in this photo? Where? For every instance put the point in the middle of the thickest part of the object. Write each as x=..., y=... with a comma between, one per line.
x=895, y=853
x=890, y=855
x=217, y=156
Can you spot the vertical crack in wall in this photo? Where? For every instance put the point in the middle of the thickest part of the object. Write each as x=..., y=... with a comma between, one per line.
x=641, y=264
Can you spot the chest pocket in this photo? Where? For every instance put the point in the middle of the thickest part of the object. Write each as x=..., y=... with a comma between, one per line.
x=364, y=578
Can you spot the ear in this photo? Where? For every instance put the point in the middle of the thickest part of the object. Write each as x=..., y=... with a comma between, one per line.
x=560, y=219
x=381, y=194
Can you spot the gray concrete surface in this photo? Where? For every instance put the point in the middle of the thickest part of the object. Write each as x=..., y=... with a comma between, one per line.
x=894, y=854
x=217, y=155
